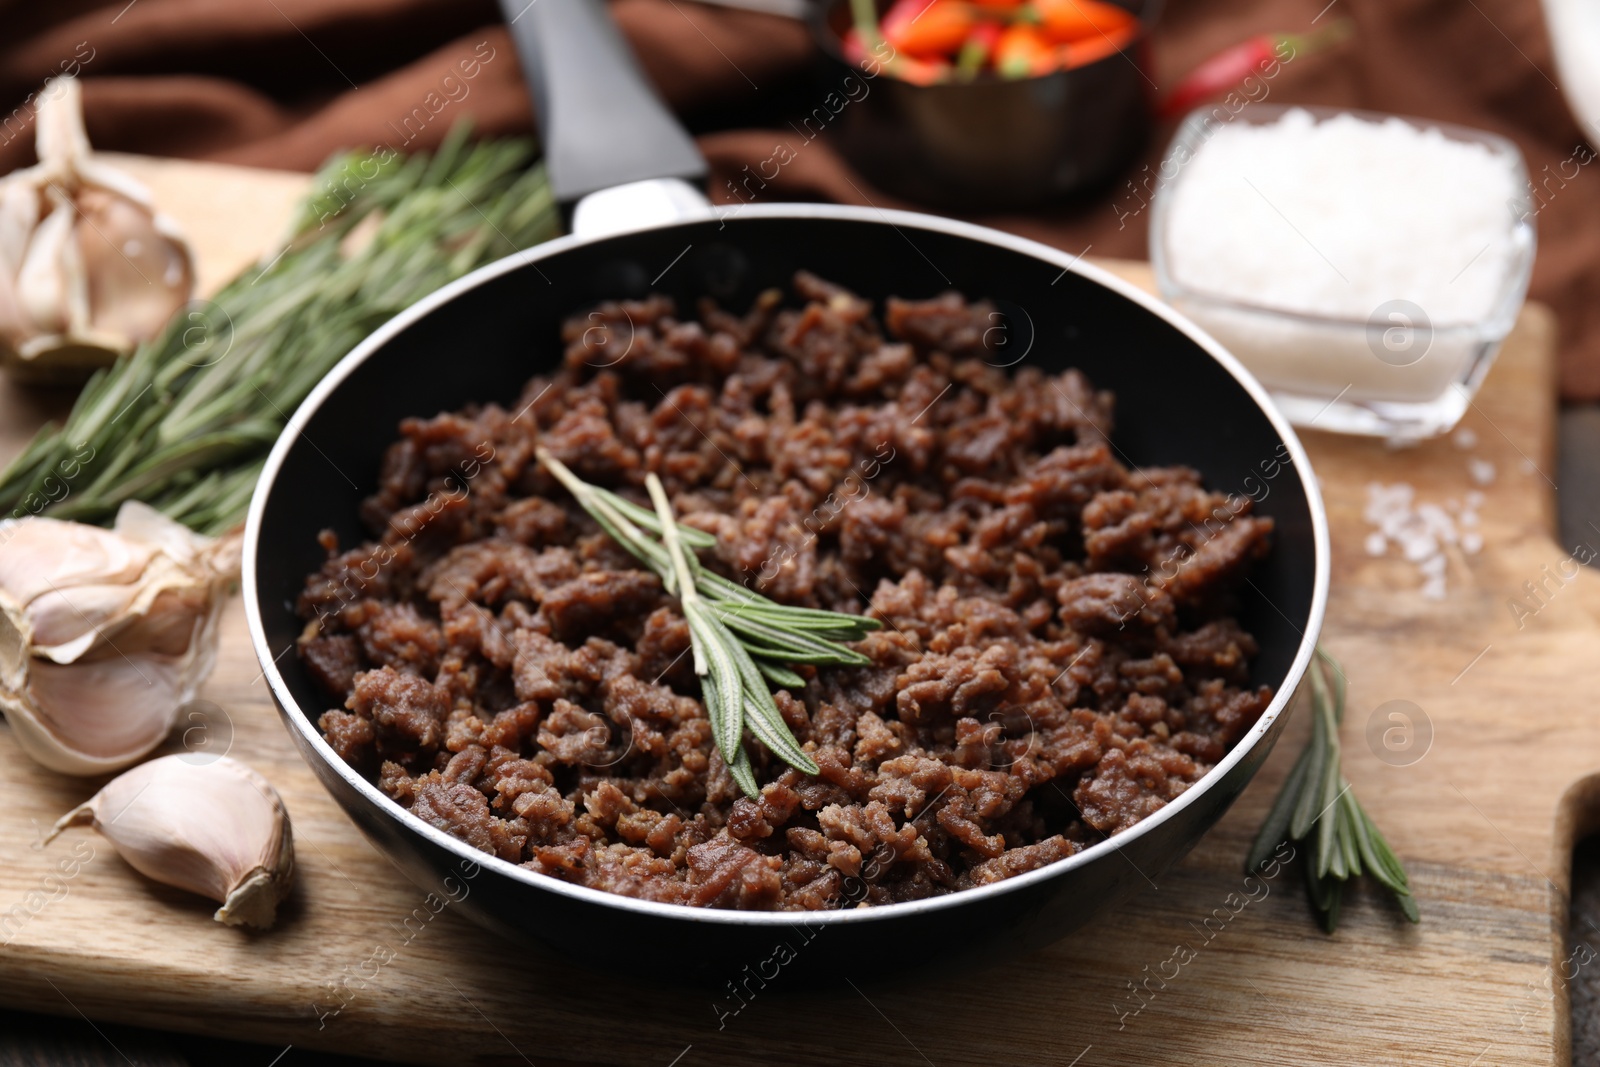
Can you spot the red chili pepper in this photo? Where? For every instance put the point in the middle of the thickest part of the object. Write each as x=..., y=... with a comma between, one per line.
x=904, y=67
x=927, y=29
x=1231, y=66
x=1022, y=52
x=1065, y=21
x=1092, y=50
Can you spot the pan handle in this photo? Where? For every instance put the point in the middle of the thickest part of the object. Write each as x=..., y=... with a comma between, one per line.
x=601, y=123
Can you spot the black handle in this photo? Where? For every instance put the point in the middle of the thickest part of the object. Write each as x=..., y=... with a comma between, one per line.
x=601, y=123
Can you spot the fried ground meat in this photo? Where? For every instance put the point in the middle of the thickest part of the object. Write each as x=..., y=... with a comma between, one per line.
x=1059, y=657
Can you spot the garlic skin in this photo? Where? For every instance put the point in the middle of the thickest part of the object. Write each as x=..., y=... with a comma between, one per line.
x=88, y=267
x=105, y=634
x=216, y=828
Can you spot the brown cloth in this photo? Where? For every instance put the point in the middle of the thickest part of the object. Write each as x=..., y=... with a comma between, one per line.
x=285, y=83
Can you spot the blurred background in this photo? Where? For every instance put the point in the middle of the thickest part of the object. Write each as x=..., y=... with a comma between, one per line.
x=286, y=83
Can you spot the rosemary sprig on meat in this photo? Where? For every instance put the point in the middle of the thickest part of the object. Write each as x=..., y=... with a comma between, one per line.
x=1317, y=805
x=743, y=643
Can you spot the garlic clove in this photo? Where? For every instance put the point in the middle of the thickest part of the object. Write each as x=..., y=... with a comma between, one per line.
x=21, y=209
x=77, y=553
x=64, y=620
x=131, y=267
x=105, y=634
x=97, y=717
x=19, y=217
x=156, y=614
x=15, y=653
x=42, y=283
x=76, y=582
x=215, y=828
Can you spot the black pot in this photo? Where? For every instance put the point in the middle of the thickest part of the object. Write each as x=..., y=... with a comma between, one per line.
x=989, y=144
x=1181, y=399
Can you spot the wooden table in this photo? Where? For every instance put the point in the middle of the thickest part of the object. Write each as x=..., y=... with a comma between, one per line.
x=1484, y=822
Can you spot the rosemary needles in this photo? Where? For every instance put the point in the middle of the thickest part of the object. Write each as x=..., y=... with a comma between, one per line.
x=1317, y=806
x=185, y=423
x=743, y=643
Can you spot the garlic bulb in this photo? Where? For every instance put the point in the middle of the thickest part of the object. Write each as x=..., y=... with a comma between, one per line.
x=88, y=267
x=215, y=828
x=105, y=634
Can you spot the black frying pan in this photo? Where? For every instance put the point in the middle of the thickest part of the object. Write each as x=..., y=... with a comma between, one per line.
x=1181, y=399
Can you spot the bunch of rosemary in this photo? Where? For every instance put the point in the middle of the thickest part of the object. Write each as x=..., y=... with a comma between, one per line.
x=1317, y=805
x=184, y=424
x=741, y=640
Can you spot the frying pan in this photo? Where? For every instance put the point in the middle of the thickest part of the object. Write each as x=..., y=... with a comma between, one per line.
x=624, y=164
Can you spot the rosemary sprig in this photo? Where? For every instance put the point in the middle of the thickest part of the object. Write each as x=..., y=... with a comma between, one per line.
x=1317, y=805
x=742, y=641
x=185, y=422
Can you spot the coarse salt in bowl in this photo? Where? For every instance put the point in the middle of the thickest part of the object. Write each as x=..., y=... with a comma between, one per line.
x=1365, y=267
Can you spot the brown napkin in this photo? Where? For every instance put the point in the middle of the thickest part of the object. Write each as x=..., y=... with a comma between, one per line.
x=284, y=83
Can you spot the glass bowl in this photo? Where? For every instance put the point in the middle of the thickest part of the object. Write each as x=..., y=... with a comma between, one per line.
x=1393, y=373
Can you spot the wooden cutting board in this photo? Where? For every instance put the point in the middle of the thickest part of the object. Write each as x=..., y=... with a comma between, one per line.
x=1484, y=822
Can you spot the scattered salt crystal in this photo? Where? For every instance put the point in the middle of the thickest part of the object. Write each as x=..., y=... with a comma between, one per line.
x=1437, y=522
x=1421, y=530
x=1481, y=470
x=1386, y=500
x=1465, y=438
x=1417, y=547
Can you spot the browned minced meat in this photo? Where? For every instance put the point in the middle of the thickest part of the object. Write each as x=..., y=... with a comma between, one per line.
x=1058, y=659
